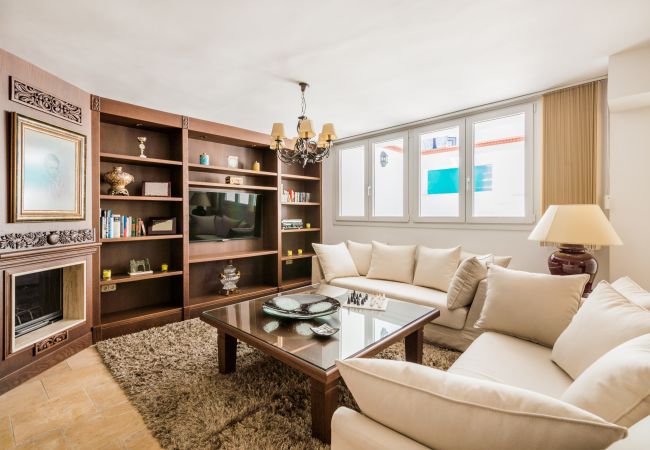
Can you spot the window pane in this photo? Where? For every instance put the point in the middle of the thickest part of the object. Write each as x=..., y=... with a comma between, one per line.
x=499, y=167
x=352, y=195
x=388, y=178
x=439, y=173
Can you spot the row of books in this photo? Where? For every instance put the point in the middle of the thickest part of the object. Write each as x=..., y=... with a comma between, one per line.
x=291, y=196
x=118, y=226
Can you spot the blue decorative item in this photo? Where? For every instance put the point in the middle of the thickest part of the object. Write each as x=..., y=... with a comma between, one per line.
x=204, y=159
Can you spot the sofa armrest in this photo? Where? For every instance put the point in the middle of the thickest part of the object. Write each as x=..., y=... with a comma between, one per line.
x=477, y=305
x=352, y=430
x=317, y=275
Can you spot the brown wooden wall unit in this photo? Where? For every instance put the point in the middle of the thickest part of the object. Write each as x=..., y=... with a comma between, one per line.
x=192, y=285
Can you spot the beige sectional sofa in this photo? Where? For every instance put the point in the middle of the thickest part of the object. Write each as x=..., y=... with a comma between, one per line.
x=522, y=386
x=453, y=329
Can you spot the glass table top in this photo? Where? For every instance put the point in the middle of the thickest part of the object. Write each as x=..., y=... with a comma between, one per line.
x=359, y=328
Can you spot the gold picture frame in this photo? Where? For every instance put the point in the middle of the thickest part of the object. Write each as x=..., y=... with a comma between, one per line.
x=48, y=172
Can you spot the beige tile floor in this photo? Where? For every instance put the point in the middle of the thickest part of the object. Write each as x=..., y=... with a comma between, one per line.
x=73, y=405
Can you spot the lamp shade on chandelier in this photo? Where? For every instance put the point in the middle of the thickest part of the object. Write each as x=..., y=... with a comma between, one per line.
x=302, y=149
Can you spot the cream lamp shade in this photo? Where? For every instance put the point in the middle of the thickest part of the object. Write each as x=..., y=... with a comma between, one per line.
x=306, y=130
x=277, y=132
x=328, y=133
x=575, y=225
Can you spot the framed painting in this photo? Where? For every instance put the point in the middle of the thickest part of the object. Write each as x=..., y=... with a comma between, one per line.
x=48, y=172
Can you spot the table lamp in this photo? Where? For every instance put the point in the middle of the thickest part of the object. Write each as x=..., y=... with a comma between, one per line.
x=202, y=202
x=571, y=228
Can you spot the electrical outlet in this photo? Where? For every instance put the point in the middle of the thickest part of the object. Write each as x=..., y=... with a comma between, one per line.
x=108, y=288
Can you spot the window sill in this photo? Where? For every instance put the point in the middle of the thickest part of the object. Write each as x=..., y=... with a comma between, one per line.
x=438, y=225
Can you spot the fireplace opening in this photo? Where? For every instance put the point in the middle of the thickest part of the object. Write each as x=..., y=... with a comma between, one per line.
x=38, y=300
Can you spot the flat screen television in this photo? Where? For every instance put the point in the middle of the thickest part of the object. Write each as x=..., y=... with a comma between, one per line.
x=224, y=215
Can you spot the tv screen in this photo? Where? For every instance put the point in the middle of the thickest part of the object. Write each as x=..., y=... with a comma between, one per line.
x=224, y=215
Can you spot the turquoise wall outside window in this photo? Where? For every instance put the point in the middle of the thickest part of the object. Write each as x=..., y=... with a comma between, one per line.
x=446, y=181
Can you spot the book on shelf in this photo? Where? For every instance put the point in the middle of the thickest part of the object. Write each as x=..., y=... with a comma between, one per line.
x=291, y=196
x=113, y=226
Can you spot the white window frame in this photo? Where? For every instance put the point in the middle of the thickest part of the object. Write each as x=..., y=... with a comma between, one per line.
x=415, y=186
x=411, y=214
x=405, y=177
x=366, y=205
x=529, y=215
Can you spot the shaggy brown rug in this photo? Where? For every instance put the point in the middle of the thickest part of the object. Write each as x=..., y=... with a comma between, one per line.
x=170, y=375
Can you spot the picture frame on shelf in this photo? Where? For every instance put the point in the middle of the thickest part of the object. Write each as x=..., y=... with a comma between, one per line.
x=139, y=267
x=161, y=226
x=157, y=188
x=48, y=172
x=233, y=162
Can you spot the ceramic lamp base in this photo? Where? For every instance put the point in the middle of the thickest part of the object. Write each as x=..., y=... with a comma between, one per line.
x=574, y=260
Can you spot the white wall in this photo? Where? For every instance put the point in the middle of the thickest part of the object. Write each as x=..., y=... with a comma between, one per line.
x=629, y=103
x=499, y=240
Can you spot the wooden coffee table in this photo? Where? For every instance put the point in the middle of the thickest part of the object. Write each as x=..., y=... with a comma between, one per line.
x=362, y=333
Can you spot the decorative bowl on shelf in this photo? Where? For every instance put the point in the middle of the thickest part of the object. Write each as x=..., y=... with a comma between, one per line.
x=301, y=306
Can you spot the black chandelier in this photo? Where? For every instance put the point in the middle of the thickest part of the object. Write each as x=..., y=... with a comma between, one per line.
x=303, y=149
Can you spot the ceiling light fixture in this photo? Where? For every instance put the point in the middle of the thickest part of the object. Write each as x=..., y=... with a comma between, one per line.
x=303, y=149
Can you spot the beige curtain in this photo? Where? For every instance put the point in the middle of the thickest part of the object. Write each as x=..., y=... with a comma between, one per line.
x=572, y=135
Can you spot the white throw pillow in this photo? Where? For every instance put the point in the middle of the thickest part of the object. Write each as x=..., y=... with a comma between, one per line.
x=463, y=285
x=632, y=291
x=392, y=262
x=605, y=320
x=361, y=255
x=487, y=259
x=335, y=260
x=447, y=411
x=435, y=267
x=532, y=306
x=617, y=386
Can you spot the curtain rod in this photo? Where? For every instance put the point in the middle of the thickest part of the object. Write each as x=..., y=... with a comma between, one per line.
x=462, y=112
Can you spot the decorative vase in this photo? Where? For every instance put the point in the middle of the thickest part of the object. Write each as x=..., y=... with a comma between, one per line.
x=118, y=179
x=229, y=278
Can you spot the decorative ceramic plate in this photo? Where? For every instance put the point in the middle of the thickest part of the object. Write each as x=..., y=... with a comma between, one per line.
x=324, y=330
x=301, y=306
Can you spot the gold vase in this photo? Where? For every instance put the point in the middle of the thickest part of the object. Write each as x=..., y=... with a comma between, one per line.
x=118, y=179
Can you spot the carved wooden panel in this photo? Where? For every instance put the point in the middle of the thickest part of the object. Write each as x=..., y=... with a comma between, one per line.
x=95, y=103
x=50, y=342
x=15, y=241
x=35, y=98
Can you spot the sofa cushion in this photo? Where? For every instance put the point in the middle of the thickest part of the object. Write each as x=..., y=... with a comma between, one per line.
x=513, y=361
x=632, y=291
x=435, y=267
x=448, y=411
x=503, y=261
x=409, y=293
x=361, y=255
x=617, y=386
x=463, y=284
x=392, y=262
x=605, y=320
x=335, y=260
x=532, y=306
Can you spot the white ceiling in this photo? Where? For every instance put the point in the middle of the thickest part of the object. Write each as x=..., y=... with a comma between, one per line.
x=371, y=63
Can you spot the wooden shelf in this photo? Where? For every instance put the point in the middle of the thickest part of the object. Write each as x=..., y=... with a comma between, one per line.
x=301, y=203
x=288, y=176
x=127, y=159
x=117, y=279
x=219, y=169
x=233, y=255
x=295, y=283
x=231, y=186
x=245, y=293
x=138, y=314
x=142, y=238
x=301, y=230
x=304, y=255
x=140, y=198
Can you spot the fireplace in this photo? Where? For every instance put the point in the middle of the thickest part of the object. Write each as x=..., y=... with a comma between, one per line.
x=47, y=302
x=39, y=300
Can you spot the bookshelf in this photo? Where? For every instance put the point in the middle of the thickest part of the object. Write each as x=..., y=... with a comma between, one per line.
x=191, y=285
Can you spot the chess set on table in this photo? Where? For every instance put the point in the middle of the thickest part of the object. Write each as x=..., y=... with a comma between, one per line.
x=362, y=300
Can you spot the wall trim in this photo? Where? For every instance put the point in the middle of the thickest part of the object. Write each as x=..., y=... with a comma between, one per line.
x=36, y=239
x=23, y=93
